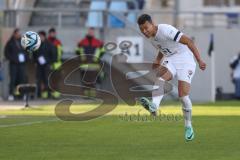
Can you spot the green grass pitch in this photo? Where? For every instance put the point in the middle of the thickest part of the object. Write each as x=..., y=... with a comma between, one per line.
x=36, y=134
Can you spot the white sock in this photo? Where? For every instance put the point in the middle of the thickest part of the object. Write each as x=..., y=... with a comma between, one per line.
x=158, y=94
x=187, y=110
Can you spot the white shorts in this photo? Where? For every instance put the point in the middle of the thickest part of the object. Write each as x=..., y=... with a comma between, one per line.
x=183, y=69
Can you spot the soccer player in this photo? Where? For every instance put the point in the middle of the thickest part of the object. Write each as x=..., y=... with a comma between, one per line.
x=175, y=52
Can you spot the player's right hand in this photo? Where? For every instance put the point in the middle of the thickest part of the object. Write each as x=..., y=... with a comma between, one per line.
x=202, y=65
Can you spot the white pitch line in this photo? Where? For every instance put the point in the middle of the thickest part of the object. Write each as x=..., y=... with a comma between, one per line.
x=3, y=116
x=26, y=123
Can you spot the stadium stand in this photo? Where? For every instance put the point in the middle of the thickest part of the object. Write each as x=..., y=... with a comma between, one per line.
x=72, y=22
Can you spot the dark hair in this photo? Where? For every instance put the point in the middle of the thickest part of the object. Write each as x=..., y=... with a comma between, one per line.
x=43, y=33
x=143, y=18
x=16, y=30
x=51, y=30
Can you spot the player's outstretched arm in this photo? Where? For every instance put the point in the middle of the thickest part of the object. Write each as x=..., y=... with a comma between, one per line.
x=187, y=41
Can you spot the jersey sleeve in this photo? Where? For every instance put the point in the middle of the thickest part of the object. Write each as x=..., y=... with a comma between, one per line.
x=171, y=32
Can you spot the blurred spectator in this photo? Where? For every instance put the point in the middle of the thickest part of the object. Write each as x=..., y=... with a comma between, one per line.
x=44, y=57
x=17, y=58
x=90, y=50
x=235, y=66
x=52, y=37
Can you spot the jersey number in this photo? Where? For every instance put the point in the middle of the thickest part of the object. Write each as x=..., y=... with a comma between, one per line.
x=165, y=50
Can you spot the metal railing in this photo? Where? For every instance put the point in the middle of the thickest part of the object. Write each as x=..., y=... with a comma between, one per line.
x=183, y=18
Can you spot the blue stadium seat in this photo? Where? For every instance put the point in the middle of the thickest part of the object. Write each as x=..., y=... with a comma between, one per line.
x=132, y=17
x=95, y=19
x=116, y=6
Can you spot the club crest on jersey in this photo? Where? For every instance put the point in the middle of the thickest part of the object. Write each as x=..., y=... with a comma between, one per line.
x=165, y=62
x=190, y=72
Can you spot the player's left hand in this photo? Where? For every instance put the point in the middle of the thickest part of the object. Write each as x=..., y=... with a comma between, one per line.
x=202, y=65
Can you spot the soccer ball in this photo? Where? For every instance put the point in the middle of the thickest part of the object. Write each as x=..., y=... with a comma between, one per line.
x=30, y=41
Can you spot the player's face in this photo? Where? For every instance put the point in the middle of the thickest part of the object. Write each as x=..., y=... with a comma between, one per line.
x=17, y=35
x=147, y=29
x=42, y=37
x=52, y=34
x=91, y=32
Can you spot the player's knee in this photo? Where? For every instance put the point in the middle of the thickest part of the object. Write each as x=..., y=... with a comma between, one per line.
x=167, y=76
x=183, y=88
x=183, y=93
x=186, y=101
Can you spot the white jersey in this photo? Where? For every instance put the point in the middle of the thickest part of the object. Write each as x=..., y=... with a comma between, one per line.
x=178, y=58
x=167, y=42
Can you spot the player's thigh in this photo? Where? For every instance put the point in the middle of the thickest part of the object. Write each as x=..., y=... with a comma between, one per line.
x=185, y=74
x=169, y=72
x=183, y=88
x=167, y=76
